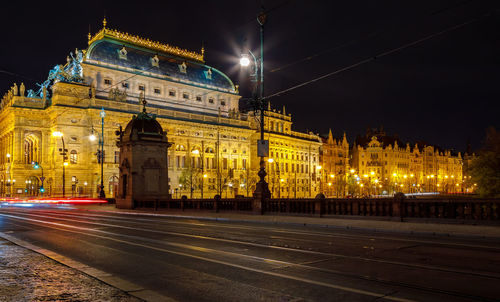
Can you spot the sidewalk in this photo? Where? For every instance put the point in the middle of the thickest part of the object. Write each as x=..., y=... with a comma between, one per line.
x=376, y=224
x=29, y=276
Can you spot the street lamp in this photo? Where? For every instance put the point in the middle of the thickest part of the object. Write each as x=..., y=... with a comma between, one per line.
x=37, y=166
x=100, y=152
x=271, y=161
x=64, y=152
x=262, y=188
x=197, y=152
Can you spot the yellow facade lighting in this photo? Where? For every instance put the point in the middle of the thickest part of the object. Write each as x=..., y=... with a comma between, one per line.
x=394, y=174
x=332, y=175
x=352, y=170
x=270, y=160
x=372, y=173
x=65, y=163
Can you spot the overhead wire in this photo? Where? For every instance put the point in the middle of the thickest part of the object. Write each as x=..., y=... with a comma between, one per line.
x=354, y=41
x=380, y=55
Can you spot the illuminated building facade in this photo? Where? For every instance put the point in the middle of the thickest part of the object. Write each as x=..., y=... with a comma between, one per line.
x=213, y=149
x=383, y=163
x=334, y=157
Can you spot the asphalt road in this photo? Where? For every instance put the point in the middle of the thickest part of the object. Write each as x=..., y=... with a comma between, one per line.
x=199, y=260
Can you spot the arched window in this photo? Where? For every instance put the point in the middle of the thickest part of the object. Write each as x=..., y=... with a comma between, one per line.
x=73, y=157
x=30, y=149
x=209, y=150
x=180, y=148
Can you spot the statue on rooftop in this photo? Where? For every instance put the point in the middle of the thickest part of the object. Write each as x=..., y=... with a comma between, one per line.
x=21, y=89
x=14, y=89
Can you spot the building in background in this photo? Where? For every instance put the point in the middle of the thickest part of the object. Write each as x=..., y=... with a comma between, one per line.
x=384, y=164
x=334, y=172
x=214, y=143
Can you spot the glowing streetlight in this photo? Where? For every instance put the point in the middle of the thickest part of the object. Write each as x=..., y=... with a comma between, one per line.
x=270, y=160
x=63, y=151
x=244, y=60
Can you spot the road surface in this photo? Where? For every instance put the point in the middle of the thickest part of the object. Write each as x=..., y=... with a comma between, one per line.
x=201, y=260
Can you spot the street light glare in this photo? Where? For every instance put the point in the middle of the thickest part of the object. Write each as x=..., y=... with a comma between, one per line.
x=57, y=134
x=92, y=137
x=244, y=61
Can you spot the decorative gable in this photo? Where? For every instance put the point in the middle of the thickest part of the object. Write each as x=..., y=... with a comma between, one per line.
x=208, y=74
x=183, y=67
x=155, y=61
x=122, y=53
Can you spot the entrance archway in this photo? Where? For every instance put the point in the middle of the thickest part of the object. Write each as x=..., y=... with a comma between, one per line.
x=32, y=186
x=113, y=186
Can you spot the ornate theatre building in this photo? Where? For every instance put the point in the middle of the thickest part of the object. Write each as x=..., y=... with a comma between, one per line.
x=100, y=88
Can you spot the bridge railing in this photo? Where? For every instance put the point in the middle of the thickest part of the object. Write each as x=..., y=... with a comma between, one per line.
x=452, y=208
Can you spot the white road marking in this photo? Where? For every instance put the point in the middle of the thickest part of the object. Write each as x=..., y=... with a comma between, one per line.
x=319, y=283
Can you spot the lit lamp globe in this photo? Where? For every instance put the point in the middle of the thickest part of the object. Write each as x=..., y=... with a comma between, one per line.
x=244, y=61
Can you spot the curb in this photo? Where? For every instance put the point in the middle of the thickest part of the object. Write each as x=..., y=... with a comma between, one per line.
x=130, y=288
x=318, y=225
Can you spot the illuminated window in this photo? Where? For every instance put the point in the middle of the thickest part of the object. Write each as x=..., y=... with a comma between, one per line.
x=73, y=157
x=117, y=157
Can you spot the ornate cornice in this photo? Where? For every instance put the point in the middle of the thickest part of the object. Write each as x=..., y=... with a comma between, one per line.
x=154, y=45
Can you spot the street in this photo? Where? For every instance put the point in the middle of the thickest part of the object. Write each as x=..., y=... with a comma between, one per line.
x=202, y=260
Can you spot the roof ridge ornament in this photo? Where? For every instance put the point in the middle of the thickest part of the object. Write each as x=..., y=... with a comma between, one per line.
x=146, y=43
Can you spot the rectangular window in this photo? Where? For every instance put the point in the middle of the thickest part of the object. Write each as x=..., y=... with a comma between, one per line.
x=171, y=93
x=211, y=101
x=169, y=161
x=235, y=163
x=198, y=98
x=244, y=163
x=117, y=157
x=157, y=91
x=178, y=161
x=142, y=87
x=185, y=96
x=107, y=82
x=125, y=85
x=222, y=103
x=224, y=163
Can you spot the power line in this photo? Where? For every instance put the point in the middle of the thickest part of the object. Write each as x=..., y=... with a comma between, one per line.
x=353, y=41
x=380, y=55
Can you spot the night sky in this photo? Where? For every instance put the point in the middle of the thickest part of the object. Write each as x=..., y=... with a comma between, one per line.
x=444, y=90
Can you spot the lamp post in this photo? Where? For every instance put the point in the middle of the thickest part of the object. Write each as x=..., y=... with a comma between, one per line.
x=36, y=166
x=271, y=161
x=262, y=189
x=100, y=152
x=64, y=152
x=197, y=152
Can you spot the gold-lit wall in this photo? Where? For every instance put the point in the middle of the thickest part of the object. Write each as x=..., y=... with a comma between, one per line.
x=393, y=168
